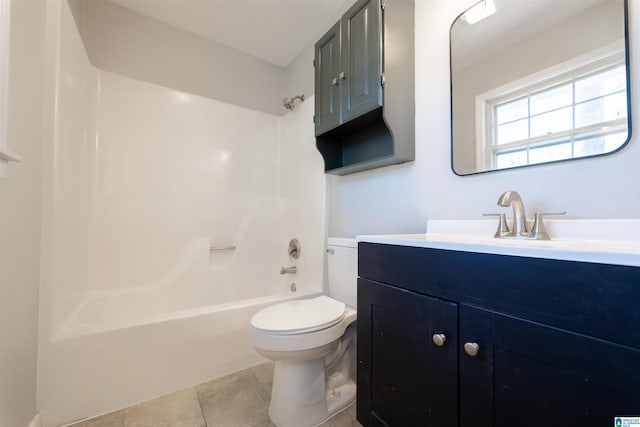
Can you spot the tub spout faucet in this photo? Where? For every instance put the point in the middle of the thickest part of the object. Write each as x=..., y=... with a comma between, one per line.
x=288, y=270
x=519, y=225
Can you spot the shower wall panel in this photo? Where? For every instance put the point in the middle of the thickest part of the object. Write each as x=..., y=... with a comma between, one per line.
x=175, y=174
x=171, y=198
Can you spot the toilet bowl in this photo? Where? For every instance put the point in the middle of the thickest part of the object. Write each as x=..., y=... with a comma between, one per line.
x=312, y=342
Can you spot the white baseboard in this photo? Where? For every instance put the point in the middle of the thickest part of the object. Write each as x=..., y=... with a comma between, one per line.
x=36, y=421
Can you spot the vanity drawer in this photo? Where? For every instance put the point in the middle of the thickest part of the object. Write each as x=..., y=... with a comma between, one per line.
x=594, y=299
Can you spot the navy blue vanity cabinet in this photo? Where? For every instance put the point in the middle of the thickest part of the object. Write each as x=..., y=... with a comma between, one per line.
x=528, y=374
x=559, y=346
x=396, y=356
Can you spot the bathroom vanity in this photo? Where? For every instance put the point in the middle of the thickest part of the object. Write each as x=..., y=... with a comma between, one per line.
x=457, y=334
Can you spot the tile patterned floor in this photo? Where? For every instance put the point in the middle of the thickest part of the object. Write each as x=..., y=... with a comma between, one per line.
x=237, y=400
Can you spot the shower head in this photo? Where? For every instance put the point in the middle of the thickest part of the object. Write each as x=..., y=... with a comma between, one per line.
x=290, y=103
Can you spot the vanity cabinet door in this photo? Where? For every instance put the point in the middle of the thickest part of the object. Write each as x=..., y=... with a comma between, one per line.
x=327, y=96
x=404, y=378
x=528, y=374
x=476, y=367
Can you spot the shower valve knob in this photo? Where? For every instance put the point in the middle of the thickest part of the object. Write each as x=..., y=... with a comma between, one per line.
x=294, y=249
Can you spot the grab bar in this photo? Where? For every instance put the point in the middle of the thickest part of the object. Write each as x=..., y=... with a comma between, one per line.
x=221, y=248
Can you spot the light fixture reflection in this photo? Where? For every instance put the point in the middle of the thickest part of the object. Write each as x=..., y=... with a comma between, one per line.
x=181, y=97
x=479, y=12
x=225, y=156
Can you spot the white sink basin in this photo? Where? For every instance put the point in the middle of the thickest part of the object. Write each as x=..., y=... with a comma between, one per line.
x=601, y=241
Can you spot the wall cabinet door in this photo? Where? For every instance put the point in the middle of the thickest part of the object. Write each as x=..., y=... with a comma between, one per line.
x=327, y=96
x=348, y=67
x=404, y=378
x=361, y=59
x=529, y=374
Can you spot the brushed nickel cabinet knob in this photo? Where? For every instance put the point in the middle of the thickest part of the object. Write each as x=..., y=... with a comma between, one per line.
x=471, y=348
x=439, y=339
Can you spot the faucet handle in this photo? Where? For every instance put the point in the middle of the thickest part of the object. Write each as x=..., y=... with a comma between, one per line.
x=539, y=231
x=503, y=228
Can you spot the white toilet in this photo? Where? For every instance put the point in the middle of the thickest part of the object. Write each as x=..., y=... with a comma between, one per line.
x=312, y=346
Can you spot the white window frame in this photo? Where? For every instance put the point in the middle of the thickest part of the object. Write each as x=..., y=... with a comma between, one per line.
x=547, y=78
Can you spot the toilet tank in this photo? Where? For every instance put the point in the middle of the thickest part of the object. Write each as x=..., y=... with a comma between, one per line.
x=342, y=265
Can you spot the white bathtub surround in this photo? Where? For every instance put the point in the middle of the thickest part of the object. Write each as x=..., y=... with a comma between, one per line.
x=97, y=373
x=141, y=182
x=36, y=421
x=7, y=156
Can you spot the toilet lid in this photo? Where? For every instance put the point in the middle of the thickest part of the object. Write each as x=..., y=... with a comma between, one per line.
x=299, y=316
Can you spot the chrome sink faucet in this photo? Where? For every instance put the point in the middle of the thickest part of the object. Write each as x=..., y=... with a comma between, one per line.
x=519, y=225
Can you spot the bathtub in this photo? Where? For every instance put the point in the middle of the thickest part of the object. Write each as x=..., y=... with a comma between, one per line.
x=95, y=368
x=167, y=218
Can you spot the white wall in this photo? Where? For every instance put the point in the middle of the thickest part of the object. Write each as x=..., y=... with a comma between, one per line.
x=128, y=43
x=20, y=218
x=299, y=77
x=399, y=199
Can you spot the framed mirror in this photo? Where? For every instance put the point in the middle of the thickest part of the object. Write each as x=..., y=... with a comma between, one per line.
x=538, y=81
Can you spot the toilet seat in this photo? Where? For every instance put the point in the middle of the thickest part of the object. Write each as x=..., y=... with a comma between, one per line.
x=299, y=316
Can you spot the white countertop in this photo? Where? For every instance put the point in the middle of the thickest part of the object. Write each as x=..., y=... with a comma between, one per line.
x=610, y=241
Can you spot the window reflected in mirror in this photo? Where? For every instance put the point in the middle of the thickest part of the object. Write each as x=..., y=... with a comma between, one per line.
x=538, y=81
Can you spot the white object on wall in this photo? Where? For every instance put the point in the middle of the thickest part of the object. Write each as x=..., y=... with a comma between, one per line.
x=6, y=156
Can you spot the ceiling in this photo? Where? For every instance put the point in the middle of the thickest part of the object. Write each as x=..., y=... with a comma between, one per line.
x=273, y=30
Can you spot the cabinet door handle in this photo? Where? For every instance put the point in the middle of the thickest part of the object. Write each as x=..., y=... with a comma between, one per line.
x=335, y=81
x=439, y=339
x=471, y=348
x=342, y=76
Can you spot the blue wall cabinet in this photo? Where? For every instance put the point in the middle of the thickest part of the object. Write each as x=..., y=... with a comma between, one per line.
x=359, y=99
x=528, y=342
